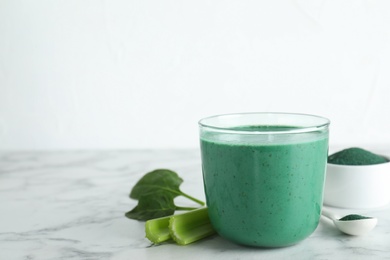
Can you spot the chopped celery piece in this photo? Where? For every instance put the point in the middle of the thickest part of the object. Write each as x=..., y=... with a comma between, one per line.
x=190, y=226
x=157, y=230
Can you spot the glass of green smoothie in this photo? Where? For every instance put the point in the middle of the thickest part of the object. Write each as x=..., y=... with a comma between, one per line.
x=264, y=175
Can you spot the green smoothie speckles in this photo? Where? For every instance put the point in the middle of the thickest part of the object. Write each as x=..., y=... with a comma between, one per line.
x=277, y=186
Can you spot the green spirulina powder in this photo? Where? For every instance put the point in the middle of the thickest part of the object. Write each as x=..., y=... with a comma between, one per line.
x=356, y=156
x=353, y=217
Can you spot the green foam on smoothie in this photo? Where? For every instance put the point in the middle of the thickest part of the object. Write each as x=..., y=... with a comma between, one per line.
x=356, y=156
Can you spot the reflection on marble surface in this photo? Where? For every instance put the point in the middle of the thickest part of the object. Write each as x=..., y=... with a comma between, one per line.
x=71, y=205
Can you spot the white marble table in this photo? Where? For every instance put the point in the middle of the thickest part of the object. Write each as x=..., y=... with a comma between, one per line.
x=71, y=205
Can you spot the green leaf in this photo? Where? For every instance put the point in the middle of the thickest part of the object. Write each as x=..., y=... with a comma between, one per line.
x=153, y=205
x=157, y=180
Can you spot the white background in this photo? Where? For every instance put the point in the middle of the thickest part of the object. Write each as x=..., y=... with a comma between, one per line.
x=122, y=74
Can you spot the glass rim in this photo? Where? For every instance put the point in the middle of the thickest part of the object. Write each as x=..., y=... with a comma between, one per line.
x=297, y=129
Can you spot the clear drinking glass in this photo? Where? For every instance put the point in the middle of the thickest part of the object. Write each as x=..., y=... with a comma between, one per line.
x=264, y=175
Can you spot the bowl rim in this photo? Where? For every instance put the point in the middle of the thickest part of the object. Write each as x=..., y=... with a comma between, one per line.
x=377, y=165
x=387, y=157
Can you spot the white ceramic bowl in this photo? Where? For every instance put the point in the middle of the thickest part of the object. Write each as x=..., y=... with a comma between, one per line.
x=357, y=186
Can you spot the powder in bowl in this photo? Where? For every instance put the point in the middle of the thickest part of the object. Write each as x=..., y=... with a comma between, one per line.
x=356, y=156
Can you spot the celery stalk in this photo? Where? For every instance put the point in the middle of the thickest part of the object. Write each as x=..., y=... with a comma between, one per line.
x=157, y=230
x=190, y=226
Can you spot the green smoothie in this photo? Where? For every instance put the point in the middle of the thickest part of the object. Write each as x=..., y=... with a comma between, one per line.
x=264, y=193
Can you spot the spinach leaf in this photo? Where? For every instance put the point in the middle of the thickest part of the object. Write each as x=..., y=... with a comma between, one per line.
x=156, y=192
x=157, y=180
x=153, y=205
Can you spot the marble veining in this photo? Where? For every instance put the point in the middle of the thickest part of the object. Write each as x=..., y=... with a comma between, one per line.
x=71, y=205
